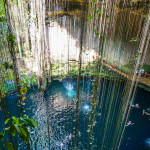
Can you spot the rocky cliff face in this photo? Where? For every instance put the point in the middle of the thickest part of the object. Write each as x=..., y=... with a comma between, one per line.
x=125, y=36
x=124, y=30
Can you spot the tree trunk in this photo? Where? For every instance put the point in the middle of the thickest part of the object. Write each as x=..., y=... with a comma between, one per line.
x=12, y=47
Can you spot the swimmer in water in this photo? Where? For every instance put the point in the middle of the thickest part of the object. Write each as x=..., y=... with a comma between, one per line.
x=60, y=80
x=143, y=112
x=61, y=145
x=146, y=113
x=137, y=106
x=129, y=123
x=67, y=137
x=148, y=109
x=64, y=143
x=70, y=136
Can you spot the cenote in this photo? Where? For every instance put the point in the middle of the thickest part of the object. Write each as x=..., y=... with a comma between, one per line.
x=74, y=74
x=54, y=111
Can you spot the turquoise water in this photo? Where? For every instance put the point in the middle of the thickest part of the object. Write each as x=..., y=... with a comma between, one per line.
x=54, y=111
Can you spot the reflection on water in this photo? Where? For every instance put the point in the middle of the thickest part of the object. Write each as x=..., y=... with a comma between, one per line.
x=69, y=87
x=86, y=107
x=71, y=93
x=147, y=141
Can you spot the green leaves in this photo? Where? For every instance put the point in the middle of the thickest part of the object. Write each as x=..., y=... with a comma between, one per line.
x=7, y=129
x=107, y=16
x=15, y=120
x=23, y=90
x=90, y=17
x=17, y=51
x=146, y=19
x=29, y=122
x=2, y=19
x=2, y=135
x=2, y=9
x=8, y=145
x=23, y=133
x=106, y=35
x=108, y=23
x=11, y=38
x=133, y=40
x=94, y=1
x=12, y=130
x=7, y=121
x=20, y=126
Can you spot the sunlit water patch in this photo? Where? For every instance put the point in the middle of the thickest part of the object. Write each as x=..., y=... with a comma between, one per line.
x=86, y=107
x=147, y=142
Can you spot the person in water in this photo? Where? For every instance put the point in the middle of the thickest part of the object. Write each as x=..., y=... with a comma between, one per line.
x=148, y=109
x=137, y=106
x=63, y=144
x=132, y=105
x=129, y=123
x=146, y=113
x=70, y=136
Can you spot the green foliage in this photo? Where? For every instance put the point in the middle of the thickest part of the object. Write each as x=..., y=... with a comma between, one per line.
x=19, y=126
x=7, y=65
x=8, y=146
x=146, y=19
x=3, y=90
x=1, y=136
x=94, y=1
x=146, y=68
x=133, y=40
x=73, y=72
x=33, y=79
x=90, y=17
x=2, y=19
x=29, y=122
x=26, y=81
x=23, y=90
x=2, y=9
x=107, y=16
x=5, y=74
x=11, y=38
x=108, y=23
x=7, y=121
